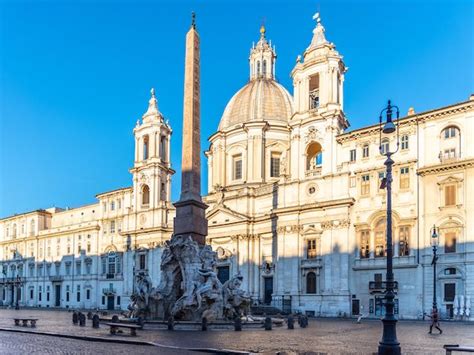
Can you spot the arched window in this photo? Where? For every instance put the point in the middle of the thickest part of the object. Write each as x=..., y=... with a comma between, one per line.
x=311, y=282
x=264, y=67
x=145, y=195
x=450, y=132
x=380, y=239
x=258, y=68
x=314, y=156
x=145, y=147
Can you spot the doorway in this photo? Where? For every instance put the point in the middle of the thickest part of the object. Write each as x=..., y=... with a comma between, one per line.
x=57, y=296
x=268, y=290
x=110, y=303
x=355, y=307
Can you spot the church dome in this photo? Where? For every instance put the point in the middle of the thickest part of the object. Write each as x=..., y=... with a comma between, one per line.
x=262, y=99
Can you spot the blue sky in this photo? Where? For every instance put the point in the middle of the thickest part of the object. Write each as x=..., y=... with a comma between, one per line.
x=75, y=76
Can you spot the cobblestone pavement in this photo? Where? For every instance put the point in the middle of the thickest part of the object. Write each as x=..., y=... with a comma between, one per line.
x=21, y=344
x=332, y=336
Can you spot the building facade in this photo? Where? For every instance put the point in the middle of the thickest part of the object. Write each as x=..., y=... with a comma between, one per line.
x=295, y=206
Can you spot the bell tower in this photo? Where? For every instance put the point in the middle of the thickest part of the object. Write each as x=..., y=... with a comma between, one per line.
x=318, y=76
x=152, y=168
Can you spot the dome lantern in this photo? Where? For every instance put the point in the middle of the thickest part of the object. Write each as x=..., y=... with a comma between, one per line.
x=262, y=58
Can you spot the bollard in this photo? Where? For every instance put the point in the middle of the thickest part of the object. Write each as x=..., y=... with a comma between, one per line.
x=82, y=319
x=268, y=323
x=75, y=318
x=89, y=315
x=170, y=323
x=115, y=319
x=204, y=324
x=238, y=324
x=95, y=321
x=291, y=322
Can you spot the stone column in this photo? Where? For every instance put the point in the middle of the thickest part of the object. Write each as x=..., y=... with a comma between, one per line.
x=190, y=210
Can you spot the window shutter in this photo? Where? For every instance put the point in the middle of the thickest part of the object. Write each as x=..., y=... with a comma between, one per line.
x=450, y=195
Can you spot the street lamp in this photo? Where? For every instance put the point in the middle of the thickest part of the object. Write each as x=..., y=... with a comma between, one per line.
x=389, y=343
x=434, y=243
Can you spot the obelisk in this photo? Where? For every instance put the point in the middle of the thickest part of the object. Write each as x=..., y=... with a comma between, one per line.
x=190, y=210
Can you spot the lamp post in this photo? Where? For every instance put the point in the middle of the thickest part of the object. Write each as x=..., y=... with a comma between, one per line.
x=389, y=343
x=434, y=243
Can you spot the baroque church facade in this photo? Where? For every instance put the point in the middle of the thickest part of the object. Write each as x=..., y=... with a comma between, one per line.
x=295, y=206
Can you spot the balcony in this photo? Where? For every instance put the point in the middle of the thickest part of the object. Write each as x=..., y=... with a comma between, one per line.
x=56, y=278
x=380, y=286
x=109, y=291
x=311, y=263
x=316, y=171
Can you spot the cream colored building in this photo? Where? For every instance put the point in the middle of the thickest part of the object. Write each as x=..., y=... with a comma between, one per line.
x=294, y=205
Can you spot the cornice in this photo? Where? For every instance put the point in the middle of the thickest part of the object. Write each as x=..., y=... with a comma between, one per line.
x=440, y=168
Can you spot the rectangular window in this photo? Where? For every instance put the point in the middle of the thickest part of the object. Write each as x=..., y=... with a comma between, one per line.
x=364, y=251
x=103, y=300
x=449, y=292
x=68, y=269
x=39, y=296
x=353, y=155
x=237, y=167
x=119, y=203
x=112, y=206
x=142, y=261
x=450, y=242
x=112, y=226
x=311, y=251
x=404, y=145
x=365, y=151
x=404, y=178
x=118, y=300
x=67, y=296
x=47, y=296
x=88, y=294
x=31, y=294
x=449, y=154
x=404, y=237
x=78, y=268
x=275, y=165
x=104, y=205
x=450, y=195
x=365, y=185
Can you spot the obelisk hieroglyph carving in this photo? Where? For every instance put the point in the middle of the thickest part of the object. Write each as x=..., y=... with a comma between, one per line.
x=190, y=210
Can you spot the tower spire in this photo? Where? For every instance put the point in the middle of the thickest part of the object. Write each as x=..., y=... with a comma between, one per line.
x=190, y=210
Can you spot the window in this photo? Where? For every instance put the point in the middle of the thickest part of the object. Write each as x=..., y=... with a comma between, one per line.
x=237, y=167
x=450, y=242
x=145, y=195
x=104, y=206
x=450, y=271
x=404, y=142
x=79, y=248
x=112, y=206
x=68, y=268
x=365, y=185
x=111, y=263
x=88, y=247
x=88, y=267
x=353, y=155
x=119, y=203
x=88, y=294
x=264, y=67
x=404, y=239
x=78, y=297
x=449, y=154
x=145, y=147
x=275, y=165
x=450, y=195
x=380, y=239
x=258, y=68
x=78, y=268
x=364, y=251
x=112, y=226
x=381, y=177
x=31, y=293
x=449, y=292
x=163, y=192
x=314, y=156
x=385, y=146
x=142, y=261
x=14, y=230
x=314, y=92
x=163, y=148
x=103, y=300
x=365, y=151
x=311, y=282
x=32, y=227
x=311, y=252
x=450, y=132
x=405, y=177
x=118, y=300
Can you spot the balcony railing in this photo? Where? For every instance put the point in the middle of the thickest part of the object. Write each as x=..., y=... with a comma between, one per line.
x=56, y=278
x=313, y=172
x=109, y=291
x=380, y=286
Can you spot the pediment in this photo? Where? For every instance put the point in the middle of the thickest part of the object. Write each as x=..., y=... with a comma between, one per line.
x=224, y=215
x=312, y=231
x=450, y=180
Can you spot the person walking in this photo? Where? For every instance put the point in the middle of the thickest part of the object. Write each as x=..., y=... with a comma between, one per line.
x=435, y=321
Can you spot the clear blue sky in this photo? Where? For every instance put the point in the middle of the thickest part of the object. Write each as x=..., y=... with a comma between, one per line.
x=75, y=76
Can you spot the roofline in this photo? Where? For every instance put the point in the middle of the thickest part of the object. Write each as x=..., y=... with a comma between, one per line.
x=16, y=215
x=113, y=191
x=416, y=116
